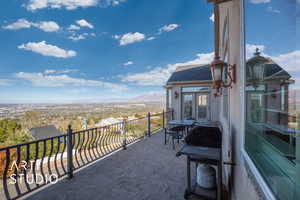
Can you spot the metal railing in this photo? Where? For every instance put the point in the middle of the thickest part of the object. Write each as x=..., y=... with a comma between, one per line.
x=29, y=166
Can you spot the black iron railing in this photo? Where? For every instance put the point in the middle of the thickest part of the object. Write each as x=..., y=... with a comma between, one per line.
x=29, y=166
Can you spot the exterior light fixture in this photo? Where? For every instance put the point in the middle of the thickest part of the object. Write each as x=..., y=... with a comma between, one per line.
x=176, y=95
x=256, y=67
x=219, y=71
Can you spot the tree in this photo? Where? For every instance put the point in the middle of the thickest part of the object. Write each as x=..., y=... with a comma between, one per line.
x=32, y=119
x=3, y=135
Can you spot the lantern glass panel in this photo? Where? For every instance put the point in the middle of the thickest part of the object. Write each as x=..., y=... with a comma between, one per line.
x=258, y=71
x=217, y=72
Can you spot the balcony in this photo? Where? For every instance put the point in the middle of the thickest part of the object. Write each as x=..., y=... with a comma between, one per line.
x=147, y=169
x=121, y=161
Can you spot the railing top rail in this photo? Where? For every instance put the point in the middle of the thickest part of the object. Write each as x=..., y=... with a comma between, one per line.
x=157, y=114
x=136, y=119
x=76, y=132
x=31, y=142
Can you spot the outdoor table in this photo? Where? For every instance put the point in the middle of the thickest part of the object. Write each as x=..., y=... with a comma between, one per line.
x=207, y=124
x=187, y=123
x=206, y=155
x=182, y=122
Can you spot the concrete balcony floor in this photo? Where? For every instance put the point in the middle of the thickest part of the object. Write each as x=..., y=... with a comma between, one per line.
x=147, y=170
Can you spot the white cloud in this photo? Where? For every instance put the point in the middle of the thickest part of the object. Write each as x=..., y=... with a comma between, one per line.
x=46, y=80
x=73, y=27
x=84, y=23
x=128, y=63
x=19, y=24
x=47, y=49
x=105, y=3
x=129, y=38
x=168, y=28
x=64, y=71
x=49, y=71
x=151, y=38
x=159, y=75
x=47, y=26
x=77, y=37
x=67, y=4
x=259, y=1
x=289, y=61
x=81, y=36
x=273, y=10
x=34, y=5
x=212, y=17
x=5, y=82
x=251, y=48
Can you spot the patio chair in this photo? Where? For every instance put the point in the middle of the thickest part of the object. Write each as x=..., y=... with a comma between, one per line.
x=176, y=133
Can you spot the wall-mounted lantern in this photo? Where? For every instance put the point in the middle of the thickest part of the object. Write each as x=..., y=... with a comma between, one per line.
x=176, y=95
x=256, y=67
x=218, y=69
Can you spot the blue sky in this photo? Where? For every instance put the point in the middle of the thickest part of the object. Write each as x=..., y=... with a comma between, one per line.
x=64, y=51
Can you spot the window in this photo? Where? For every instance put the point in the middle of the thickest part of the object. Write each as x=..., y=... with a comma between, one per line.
x=272, y=115
x=202, y=108
x=187, y=106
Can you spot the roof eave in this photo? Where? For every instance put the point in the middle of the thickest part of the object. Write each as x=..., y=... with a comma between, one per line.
x=189, y=82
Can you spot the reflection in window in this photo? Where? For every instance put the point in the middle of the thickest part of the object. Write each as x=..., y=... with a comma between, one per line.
x=256, y=107
x=187, y=106
x=282, y=93
x=202, y=106
x=272, y=134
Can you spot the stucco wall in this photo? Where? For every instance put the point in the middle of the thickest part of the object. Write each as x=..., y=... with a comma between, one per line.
x=176, y=102
x=236, y=178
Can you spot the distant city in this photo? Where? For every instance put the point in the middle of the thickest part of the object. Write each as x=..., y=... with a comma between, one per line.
x=16, y=111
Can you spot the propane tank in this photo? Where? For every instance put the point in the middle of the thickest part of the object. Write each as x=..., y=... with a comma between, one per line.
x=206, y=176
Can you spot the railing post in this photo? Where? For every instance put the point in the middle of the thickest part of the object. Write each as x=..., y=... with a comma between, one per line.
x=163, y=119
x=124, y=130
x=149, y=124
x=69, y=153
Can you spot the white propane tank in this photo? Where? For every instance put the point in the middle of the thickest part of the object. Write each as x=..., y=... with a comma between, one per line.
x=206, y=176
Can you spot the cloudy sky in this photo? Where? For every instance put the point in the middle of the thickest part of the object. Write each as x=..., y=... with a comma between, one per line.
x=63, y=51
x=271, y=25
